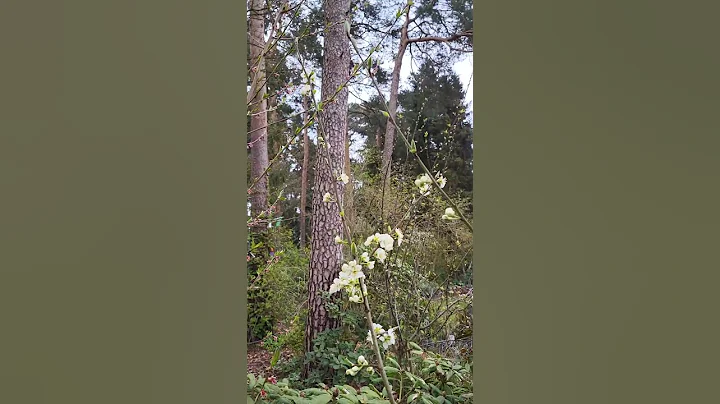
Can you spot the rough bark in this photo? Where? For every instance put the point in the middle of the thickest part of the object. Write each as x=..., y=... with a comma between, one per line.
x=304, y=180
x=258, y=108
x=326, y=255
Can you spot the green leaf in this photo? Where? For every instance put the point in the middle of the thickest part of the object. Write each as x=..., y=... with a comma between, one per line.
x=321, y=399
x=391, y=370
x=252, y=381
x=250, y=400
x=369, y=392
x=385, y=114
x=392, y=362
x=275, y=358
x=314, y=391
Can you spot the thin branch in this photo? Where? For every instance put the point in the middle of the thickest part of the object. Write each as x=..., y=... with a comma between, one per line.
x=450, y=38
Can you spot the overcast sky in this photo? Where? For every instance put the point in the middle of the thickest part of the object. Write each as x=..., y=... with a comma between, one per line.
x=463, y=68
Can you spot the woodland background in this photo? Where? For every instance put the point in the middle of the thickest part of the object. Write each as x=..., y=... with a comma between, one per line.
x=366, y=89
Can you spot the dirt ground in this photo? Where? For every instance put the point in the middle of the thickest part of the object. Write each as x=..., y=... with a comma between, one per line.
x=258, y=360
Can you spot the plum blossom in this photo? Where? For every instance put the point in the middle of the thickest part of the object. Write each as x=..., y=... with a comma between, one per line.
x=440, y=180
x=385, y=338
x=399, y=235
x=380, y=254
x=386, y=241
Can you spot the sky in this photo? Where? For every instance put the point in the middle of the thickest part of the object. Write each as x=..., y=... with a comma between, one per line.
x=463, y=68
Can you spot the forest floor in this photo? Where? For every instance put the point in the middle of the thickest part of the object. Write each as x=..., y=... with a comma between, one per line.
x=258, y=360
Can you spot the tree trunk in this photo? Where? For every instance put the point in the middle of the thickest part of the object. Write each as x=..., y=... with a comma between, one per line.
x=305, y=168
x=258, y=108
x=326, y=255
x=389, y=138
x=348, y=208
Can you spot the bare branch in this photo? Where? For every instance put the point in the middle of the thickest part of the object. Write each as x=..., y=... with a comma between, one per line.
x=450, y=38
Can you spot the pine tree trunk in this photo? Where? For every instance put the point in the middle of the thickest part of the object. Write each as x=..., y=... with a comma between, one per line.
x=304, y=180
x=258, y=108
x=326, y=255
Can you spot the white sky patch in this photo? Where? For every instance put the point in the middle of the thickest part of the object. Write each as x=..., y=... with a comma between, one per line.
x=463, y=68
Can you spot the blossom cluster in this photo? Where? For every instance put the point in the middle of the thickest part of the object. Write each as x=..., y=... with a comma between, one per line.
x=349, y=280
x=424, y=182
x=351, y=273
x=385, y=243
x=361, y=363
x=385, y=338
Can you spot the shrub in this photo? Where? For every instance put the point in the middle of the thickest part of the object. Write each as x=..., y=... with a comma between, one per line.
x=277, y=275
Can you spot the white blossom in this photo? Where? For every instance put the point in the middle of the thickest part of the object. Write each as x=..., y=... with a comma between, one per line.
x=386, y=241
x=380, y=254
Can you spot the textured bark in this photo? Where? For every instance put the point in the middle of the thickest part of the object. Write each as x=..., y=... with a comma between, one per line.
x=304, y=180
x=258, y=108
x=326, y=255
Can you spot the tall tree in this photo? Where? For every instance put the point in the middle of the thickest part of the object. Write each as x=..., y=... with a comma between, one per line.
x=435, y=118
x=348, y=203
x=326, y=255
x=432, y=23
x=257, y=107
x=305, y=167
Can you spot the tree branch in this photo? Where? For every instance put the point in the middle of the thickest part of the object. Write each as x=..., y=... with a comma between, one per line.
x=450, y=38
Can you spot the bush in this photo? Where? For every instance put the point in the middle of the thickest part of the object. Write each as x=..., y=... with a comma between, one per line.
x=263, y=390
x=430, y=378
x=277, y=275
